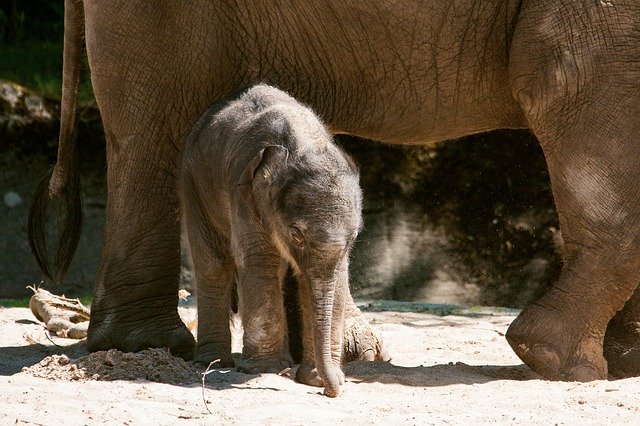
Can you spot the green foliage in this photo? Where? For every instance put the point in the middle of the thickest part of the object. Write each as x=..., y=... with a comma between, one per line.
x=14, y=303
x=24, y=302
x=32, y=20
x=3, y=22
x=31, y=34
x=38, y=66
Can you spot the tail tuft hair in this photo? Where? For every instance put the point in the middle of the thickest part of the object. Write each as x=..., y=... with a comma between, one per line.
x=68, y=218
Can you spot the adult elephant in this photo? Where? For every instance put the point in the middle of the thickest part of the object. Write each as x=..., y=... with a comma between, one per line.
x=402, y=72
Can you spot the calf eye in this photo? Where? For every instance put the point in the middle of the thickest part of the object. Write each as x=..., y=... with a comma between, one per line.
x=296, y=236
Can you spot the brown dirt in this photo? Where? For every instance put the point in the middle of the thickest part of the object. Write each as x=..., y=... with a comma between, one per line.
x=154, y=365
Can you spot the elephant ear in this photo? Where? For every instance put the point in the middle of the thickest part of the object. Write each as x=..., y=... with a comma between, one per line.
x=352, y=165
x=265, y=165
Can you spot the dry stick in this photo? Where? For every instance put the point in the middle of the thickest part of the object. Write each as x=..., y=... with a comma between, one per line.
x=46, y=333
x=207, y=371
x=29, y=422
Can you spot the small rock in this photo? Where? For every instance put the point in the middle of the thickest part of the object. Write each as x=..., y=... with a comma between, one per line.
x=36, y=107
x=110, y=357
x=12, y=199
x=11, y=93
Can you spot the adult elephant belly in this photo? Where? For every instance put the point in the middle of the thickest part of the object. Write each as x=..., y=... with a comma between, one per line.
x=405, y=73
x=399, y=72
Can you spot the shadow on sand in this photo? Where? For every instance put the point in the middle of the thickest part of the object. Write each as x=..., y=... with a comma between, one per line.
x=437, y=375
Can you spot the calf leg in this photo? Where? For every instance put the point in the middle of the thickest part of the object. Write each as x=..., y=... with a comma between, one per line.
x=307, y=372
x=261, y=307
x=213, y=270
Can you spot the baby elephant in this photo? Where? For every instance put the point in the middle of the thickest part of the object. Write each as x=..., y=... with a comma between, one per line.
x=263, y=189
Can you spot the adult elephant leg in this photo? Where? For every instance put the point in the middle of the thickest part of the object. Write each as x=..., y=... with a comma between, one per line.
x=561, y=335
x=136, y=294
x=622, y=340
x=361, y=341
x=575, y=71
x=146, y=113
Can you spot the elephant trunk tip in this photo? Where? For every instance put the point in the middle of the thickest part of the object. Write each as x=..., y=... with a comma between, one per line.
x=331, y=385
x=331, y=392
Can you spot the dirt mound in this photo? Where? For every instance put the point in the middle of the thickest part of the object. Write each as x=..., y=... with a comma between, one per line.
x=155, y=365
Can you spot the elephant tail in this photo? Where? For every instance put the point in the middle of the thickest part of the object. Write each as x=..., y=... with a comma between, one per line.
x=62, y=183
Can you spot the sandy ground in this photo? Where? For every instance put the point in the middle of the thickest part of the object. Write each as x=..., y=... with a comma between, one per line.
x=453, y=369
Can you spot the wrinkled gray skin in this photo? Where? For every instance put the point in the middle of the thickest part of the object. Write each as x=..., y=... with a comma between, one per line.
x=263, y=188
x=401, y=72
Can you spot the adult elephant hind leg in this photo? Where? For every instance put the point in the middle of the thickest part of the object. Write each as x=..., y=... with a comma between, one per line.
x=361, y=341
x=136, y=294
x=575, y=72
x=561, y=335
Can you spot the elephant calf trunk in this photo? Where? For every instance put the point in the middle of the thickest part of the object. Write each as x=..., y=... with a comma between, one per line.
x=323, y=306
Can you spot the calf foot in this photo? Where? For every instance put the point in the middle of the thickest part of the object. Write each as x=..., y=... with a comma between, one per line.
x=125, y=332
x=555, y=349
x=264, y=365
x=308, y=374
x=622, y=349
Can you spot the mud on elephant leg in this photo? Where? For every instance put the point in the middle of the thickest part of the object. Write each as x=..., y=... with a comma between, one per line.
x=136, y=295
x=622, y=340
x=587, y=126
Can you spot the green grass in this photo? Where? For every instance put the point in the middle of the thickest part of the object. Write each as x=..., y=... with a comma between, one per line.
x=436, y=308
x=14, y=303
x=38, y=66
x=24, y=302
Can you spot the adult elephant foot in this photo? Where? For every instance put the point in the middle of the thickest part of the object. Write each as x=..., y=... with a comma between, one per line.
x=135, y=298
x=361, y=341
x=554, y=348
x=119, y=329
